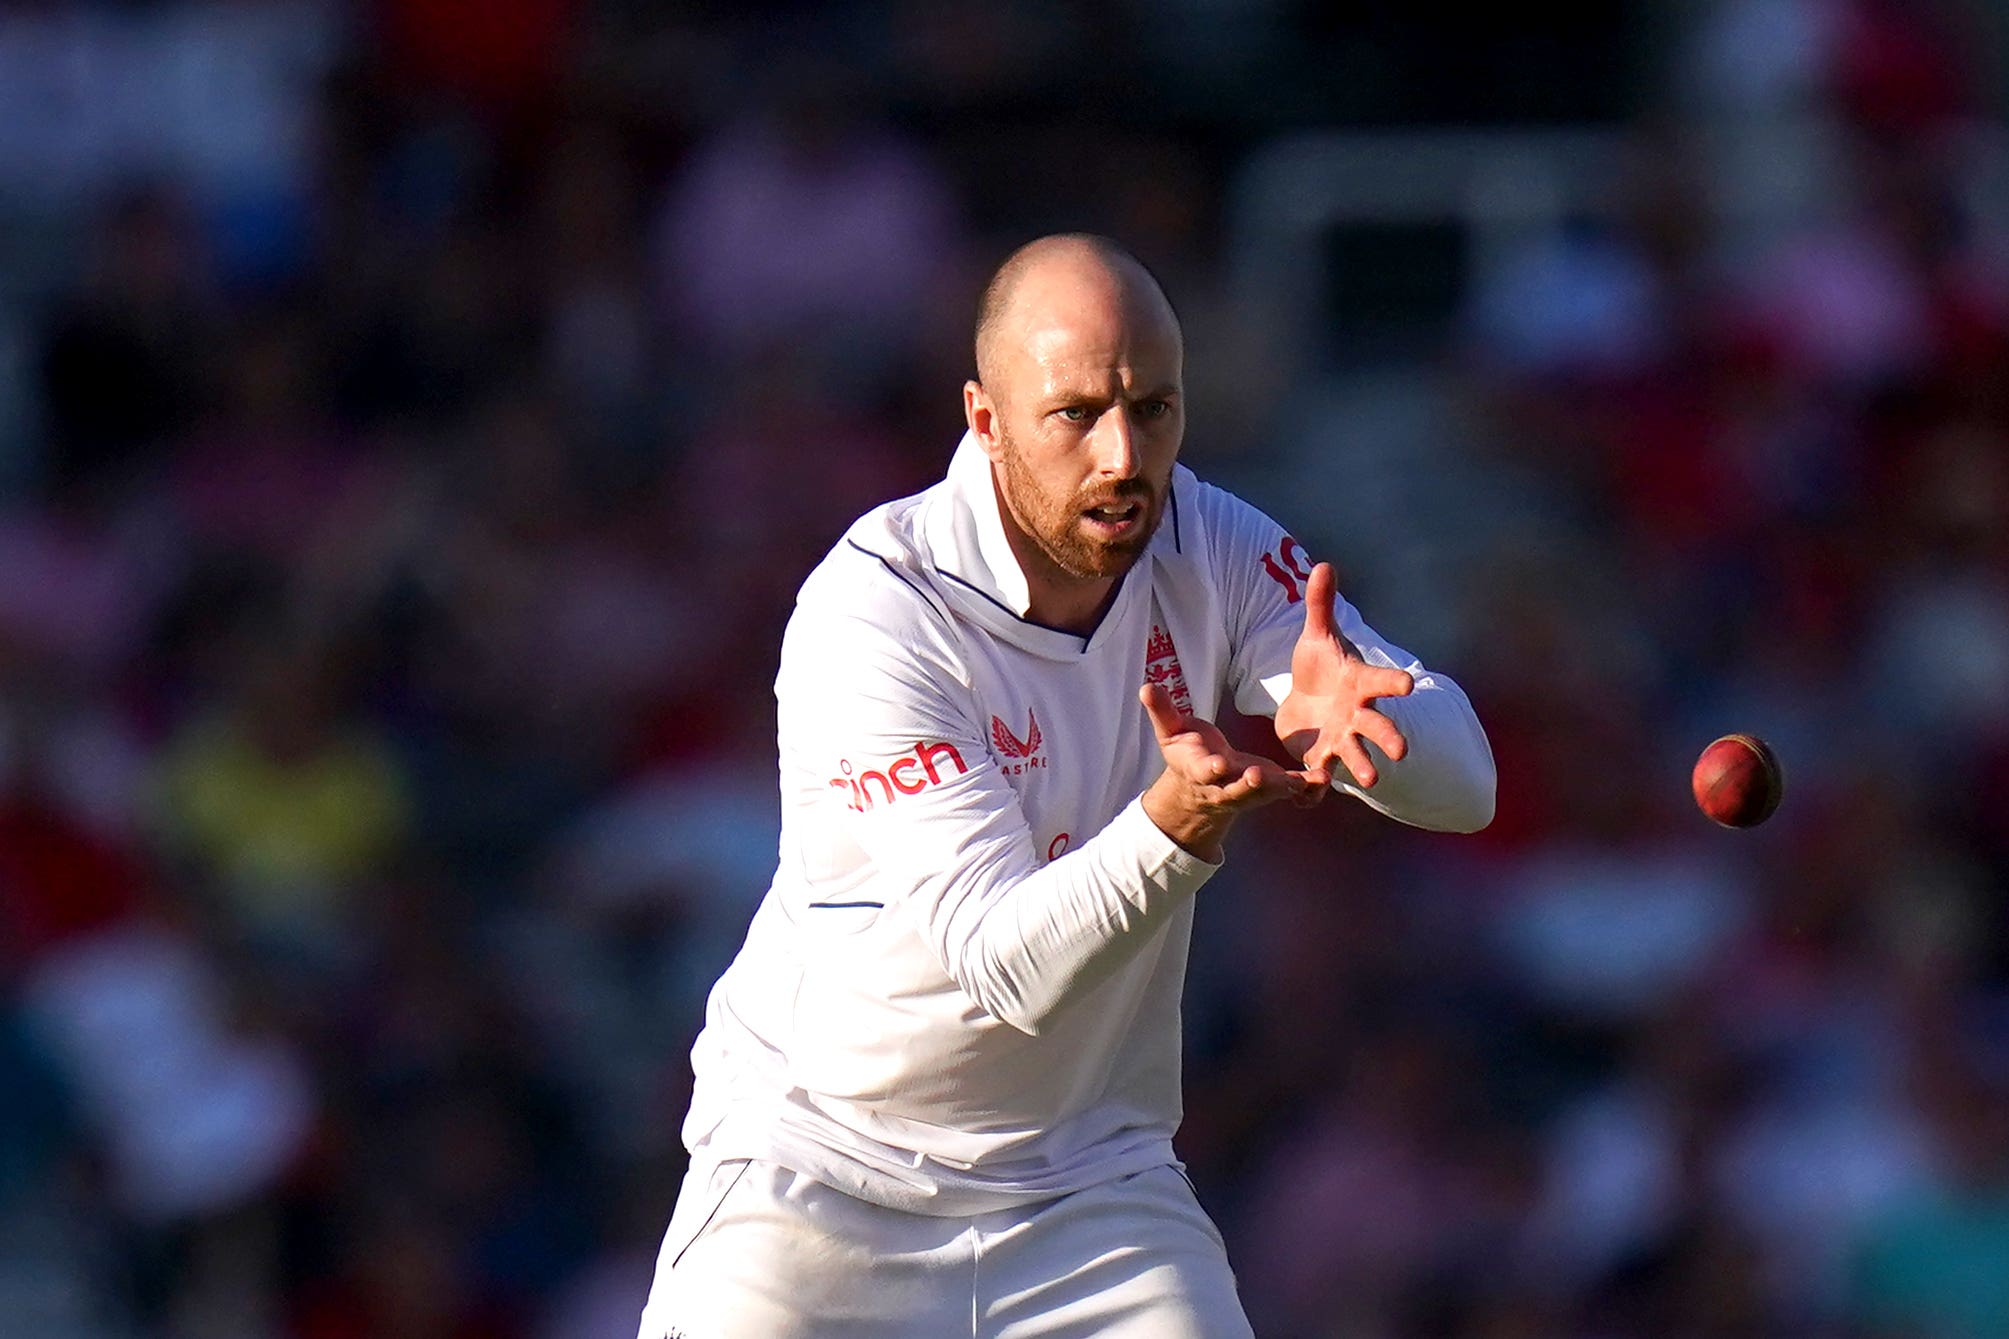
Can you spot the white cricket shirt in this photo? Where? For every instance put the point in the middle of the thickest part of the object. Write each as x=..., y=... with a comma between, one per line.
x=961, y=992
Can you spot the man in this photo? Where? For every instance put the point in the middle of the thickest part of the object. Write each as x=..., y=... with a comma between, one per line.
x=936, y=1091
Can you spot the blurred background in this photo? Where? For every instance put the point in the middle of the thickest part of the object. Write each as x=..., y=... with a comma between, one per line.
x=416, y=417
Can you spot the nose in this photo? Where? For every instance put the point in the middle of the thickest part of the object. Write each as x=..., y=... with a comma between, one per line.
x=1114, y=445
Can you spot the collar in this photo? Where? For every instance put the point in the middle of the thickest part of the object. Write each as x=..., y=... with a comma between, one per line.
x=972, y=542
x=975, y=569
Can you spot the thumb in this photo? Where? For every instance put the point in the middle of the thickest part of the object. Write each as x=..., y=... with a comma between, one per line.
x=1320, y=590
x=1165, y=718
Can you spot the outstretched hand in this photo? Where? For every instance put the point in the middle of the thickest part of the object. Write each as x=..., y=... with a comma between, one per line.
x=1207, y=781
x=1330, y=710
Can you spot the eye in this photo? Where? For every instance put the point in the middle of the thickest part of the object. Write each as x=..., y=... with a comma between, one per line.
x=1155, y=408
x=1075, y=413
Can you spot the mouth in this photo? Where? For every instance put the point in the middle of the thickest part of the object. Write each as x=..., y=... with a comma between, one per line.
x=1116, y=520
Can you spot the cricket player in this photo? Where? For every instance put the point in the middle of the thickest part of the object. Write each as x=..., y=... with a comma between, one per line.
x=936, y=1090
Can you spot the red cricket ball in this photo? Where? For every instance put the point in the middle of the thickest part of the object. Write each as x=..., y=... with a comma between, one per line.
x=1738, y=781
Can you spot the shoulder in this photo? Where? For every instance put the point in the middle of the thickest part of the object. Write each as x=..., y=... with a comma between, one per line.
x=1214, y=530
x=876, y=574
x=1211, y=510
x=869, y=613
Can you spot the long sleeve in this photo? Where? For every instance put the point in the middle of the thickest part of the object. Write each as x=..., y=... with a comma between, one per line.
x=1446, y=782
x=912, y=794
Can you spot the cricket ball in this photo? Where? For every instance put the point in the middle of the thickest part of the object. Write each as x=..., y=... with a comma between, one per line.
x=1738, y=781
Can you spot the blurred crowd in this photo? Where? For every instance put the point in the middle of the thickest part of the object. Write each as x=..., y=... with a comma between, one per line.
x=415, y=419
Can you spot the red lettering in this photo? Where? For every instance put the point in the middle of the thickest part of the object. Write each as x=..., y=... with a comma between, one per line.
x=884, y=785
x=1294, y=558
x=1282, y=578
x=927, y=754
x=853, y=797
x=899, y=777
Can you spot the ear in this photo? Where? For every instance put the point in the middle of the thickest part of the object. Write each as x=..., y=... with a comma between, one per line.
x=980, y=412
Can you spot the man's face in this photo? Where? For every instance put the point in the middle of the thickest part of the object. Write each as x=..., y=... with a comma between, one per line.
x=1087, y=418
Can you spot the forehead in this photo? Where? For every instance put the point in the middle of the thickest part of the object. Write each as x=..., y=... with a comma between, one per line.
x=1086, y=341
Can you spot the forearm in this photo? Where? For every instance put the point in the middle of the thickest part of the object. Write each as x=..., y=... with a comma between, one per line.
x=1025, y=946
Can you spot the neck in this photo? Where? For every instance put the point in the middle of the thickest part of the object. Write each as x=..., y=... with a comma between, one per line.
x=1055, y=597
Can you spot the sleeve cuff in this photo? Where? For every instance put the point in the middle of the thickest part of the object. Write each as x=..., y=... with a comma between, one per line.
x=1166, y=863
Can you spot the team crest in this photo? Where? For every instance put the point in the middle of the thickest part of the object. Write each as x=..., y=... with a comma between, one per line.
x=1161, y=666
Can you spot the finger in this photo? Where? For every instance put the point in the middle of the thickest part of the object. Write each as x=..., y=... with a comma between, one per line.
x=1300, y=784
x=1286, y=780
x=1381, y=681
x=1385, y=734
x=1357, y=762
x=1203, y=769
x=1258, y=783
x=1231, y=786
x=1166, y=722
x=1265, y=780
x=1319, y=592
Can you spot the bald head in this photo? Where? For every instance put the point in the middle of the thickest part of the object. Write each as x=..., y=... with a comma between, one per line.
x=1079, y=406
x=1066, y=277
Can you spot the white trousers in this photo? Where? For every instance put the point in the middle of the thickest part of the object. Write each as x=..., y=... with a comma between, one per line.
x=755, y=1251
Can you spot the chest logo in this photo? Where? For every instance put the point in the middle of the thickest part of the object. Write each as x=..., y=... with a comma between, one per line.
x=1161, y=666
x=1017, y=754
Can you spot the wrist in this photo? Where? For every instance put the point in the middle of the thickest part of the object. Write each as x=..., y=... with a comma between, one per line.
x=1196, y=828
x=1296, y=731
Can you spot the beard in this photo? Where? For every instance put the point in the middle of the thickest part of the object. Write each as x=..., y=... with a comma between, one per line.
x=1057, y=524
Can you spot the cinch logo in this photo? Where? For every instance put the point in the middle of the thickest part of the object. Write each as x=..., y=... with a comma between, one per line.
x=898, y=779
x=1015, y=754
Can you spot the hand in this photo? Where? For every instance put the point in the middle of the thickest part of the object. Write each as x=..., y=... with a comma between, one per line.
x=1207, y=781
x=1329, y=711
